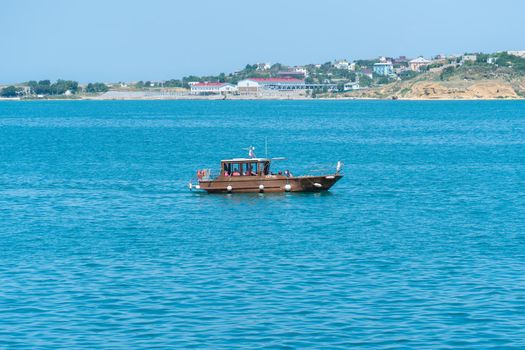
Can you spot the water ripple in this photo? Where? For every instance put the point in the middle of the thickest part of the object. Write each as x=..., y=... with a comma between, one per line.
x=419, y=246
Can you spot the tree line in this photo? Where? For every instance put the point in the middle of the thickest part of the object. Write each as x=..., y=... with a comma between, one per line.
x=47, y=88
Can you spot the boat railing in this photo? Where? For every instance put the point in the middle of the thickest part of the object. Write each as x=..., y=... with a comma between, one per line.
x=323, y=168
x=204, y=174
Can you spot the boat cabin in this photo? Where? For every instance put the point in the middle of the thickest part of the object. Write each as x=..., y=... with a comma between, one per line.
x=245, y=167
x=252, y=174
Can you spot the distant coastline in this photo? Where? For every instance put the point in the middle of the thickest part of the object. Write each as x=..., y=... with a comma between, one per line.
x=253, y=98
x=471, y=76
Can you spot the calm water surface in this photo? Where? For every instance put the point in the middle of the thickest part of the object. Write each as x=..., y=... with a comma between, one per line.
x=421, y=245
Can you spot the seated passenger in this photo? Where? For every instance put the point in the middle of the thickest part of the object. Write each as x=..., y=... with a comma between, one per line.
x=226, y=173
x=236, y=173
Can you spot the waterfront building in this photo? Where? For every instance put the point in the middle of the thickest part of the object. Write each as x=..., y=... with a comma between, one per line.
x=248, y=86
x=254, y=85
x=257, y=85
x=417, y=63
x=211, y=88
x=384, y=68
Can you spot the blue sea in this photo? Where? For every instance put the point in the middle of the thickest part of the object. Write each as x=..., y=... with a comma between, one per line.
x=420, y=246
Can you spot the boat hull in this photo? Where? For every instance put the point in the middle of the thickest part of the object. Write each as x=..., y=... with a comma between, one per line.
x=269, y=183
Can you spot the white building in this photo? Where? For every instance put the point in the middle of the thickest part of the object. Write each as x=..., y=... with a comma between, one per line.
x=254, y=85
x=469, y=58
x=351, y=86
x=229, y=88
x=247, y=86
x=211, y=88
x=517, y=53
x=263, y=66
x=383, y=68
x=342, y=64
x=417, y=63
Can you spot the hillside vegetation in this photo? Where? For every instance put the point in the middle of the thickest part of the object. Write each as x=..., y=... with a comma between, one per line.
x=471, y=80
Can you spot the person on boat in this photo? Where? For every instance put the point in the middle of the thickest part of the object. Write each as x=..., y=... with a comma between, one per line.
x=287, y=173
x=236, y=171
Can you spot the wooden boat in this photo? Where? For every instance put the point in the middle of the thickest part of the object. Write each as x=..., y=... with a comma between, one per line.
x=248, y=175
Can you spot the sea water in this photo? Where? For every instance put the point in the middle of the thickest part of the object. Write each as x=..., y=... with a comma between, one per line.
x=420, y=245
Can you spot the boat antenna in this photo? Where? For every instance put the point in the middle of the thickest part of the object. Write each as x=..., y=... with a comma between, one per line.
x=266, y=147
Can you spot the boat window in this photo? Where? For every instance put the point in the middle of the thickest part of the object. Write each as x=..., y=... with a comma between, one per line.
x=266, y=168
x=227, y=169
x=249, y=169
x=255, y=168
x=236, y=169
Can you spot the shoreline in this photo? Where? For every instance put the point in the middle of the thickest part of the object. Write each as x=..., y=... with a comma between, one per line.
x=15, y=99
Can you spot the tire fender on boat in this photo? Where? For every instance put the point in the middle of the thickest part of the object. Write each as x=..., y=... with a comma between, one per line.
x=287, y=187
x=229, y=188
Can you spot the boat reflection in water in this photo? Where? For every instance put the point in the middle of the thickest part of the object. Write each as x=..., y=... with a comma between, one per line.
x=252, y=174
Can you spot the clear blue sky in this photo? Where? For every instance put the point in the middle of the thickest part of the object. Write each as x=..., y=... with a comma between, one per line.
x=117, y=40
